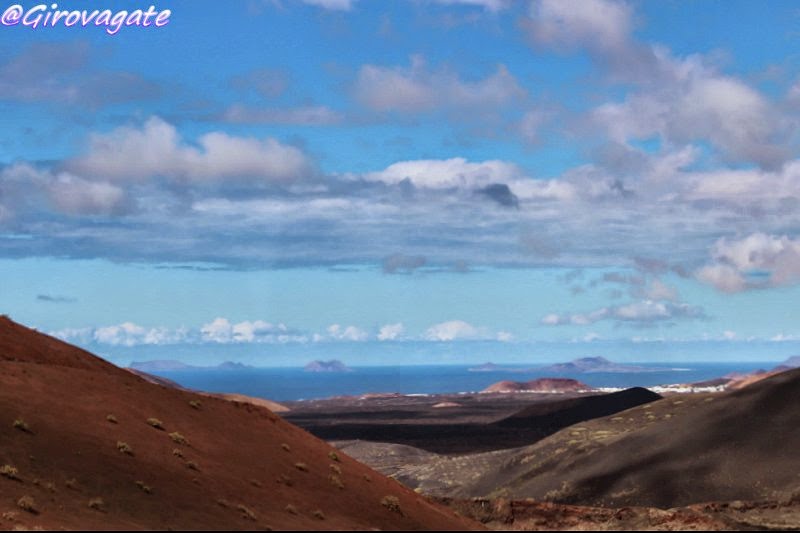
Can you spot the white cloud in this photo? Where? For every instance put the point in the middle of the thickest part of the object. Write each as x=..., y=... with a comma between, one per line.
x=130, y=334
x=391, y=332
x=76, y=196
x=347, y=5
x=336, y=5
x=337, y=332
x=756, y=261
x=418, y=89
x=452, y=330
x=642, y=312
x=603, y=24
x=456, y=173
x=156, y=150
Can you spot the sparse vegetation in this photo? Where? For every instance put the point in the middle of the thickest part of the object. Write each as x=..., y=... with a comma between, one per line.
x=11, y=516
x=27, y=503
x=392, y=503
x=156, y=423
x=318, y=514
x=196, y=404
x=177, y=438
x=286, y=447
x=97, y=504
x=191, y=465
x=145, y=488
x=246, y=513
x=9, y=472
x=333, y=456
x=223, y=503
x=291, y=509
x=301, y=467
x=71, y=483
x=367, y=478
x=336, y=470
x=21, y=425
x=285, y=480
x=177, y=453
x=336, y=481
x=124, y=447
x=112, y=419
x=256, y=483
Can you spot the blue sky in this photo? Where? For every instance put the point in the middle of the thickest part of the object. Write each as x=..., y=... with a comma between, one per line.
x=300, y=175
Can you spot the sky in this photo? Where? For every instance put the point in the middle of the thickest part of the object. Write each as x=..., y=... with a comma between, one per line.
x=405, y=180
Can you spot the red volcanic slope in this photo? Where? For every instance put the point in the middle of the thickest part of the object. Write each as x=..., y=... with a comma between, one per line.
x=539, y=385
x=67, y=417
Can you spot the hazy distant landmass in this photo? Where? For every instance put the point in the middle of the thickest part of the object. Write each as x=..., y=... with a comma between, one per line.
x=334, y=365
x=539, y=385
x=597, y=364
x=170, y=365
x=485, y=367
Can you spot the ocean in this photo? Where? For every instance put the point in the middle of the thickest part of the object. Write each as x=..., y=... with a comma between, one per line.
x=290, y=384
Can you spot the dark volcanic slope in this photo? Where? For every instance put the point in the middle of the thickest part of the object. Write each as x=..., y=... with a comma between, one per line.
x=77, y=451
x=521, y=429
x=741, y=445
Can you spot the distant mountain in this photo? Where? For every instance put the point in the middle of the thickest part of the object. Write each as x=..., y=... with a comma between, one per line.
x=792, y=362
x=334, y=365
x=539, y=385
x=485, y=367
x=596, y=364
x=169, y=366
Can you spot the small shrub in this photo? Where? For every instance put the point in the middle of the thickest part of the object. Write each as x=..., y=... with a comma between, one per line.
x=11, y=516
x=256, y=483
x=286, y=447
x=50, y=486
x=145, y=488
x=27, y=503
x=177, y=438
x=318, y=514
x=177, y=452
x=333, y=456
x=124, y=447
x=336, y=481
x=9, y=472
x=21, y=425
x=71, y=483
x=196, y=404
x=97, y=504
x=367, y=478
x=336, y=470
x=291, y=509
x=392, y=503
x=156, y=423
x=301, y=467
x=246, y=513
x=191, y=465
x=112, y=419
x=223, y=503
x=285, y=480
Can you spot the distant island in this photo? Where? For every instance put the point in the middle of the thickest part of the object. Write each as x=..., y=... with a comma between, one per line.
x=171, y=365
x=587, y=365
x=334, y=365
x=485, y=367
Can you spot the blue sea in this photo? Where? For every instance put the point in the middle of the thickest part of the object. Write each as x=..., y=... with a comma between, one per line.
x=288, y=384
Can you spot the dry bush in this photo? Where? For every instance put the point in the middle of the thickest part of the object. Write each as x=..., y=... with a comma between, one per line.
x=71, y=483
x=336, y=470
x=9, y=472
x=196, y=404
x=124, y=447
x=333, y=456
x=285, y=480
x=392, y=503
x=177, y=438
x=286, y=447
x=319, y=514
x=191, y=465
x=21, y=425
x=336, y=481
x=111, y=418
x=145, y=488
x=27, y=503
x=177, y=453
x=301, y=467
x=156, y=423
x=97, y=504
x=246, y=513
x=291, y=509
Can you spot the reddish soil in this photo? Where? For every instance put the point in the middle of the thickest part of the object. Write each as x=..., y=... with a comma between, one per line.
x=65, y=415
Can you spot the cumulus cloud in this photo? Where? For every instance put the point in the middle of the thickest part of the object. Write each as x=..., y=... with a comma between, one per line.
x=595, y=24
x=644, y=312
x=157, y=150
x=336, y=332
x=391, y=332
x=455, y=173
x=130, y=334
x=756, y=261
x=76, y=196
x=222, y=331
x=418, y=89
x=347, y=5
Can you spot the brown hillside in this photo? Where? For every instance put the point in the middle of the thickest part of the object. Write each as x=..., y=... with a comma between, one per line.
x=84, y=444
